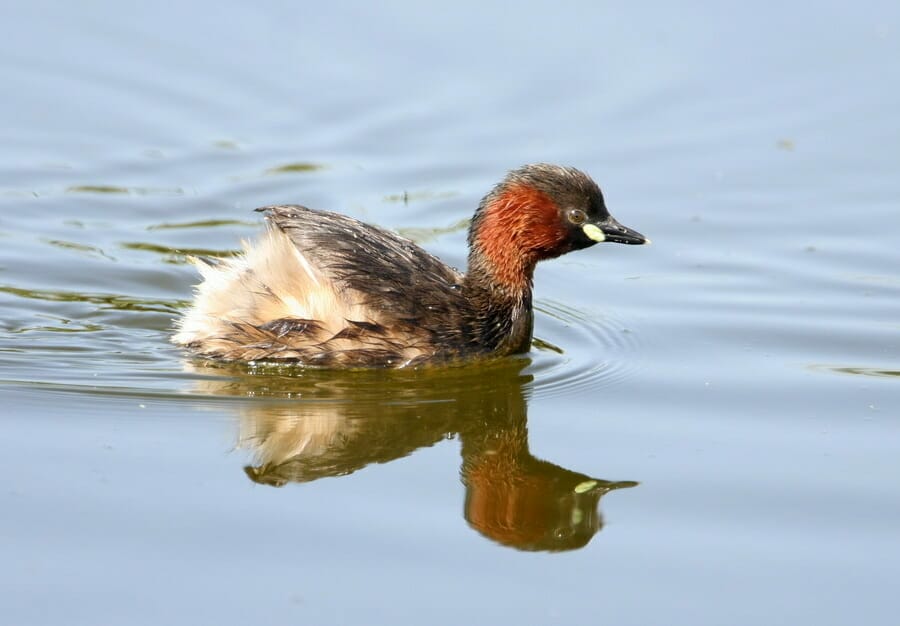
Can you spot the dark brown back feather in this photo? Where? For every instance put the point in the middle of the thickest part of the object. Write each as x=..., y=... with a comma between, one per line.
x=409, y=288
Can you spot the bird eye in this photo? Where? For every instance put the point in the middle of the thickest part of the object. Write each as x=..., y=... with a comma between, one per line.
x=577, y=216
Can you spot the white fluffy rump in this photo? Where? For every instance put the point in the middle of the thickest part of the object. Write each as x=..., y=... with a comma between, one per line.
x=270, y=280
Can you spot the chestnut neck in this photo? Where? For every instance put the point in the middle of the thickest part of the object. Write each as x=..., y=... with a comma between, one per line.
x=514, y=228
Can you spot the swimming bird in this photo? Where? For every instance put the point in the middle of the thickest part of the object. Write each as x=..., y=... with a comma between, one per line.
x=323, y=289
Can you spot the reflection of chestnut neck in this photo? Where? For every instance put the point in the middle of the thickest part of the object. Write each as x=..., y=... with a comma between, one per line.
x=519, y=500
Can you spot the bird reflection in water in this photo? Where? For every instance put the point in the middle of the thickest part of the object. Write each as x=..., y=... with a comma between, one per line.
x=307, y=424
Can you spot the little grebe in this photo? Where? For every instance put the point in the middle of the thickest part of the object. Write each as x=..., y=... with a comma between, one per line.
x=324, y=289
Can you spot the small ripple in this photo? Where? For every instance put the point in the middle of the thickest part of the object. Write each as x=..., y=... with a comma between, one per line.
x=115, y=189
x=175, y=256
x=295, y=168
x=75, y=246
x=876, y=372
x=417, y=386
x=416, y=196
x=66, y=326
x=103, y=300
x=200, y=224
x=423, y=235
x=97, y=189
x=580, y=353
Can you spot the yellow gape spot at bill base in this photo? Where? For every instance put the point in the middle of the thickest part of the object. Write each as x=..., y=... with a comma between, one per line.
x=593, y=232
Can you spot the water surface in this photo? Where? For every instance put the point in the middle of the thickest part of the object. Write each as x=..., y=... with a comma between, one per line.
x=707, y=427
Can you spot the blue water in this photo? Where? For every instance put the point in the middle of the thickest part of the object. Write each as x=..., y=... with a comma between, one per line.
x=706, y=432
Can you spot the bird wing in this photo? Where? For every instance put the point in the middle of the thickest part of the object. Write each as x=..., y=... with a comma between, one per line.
x=384, y=272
